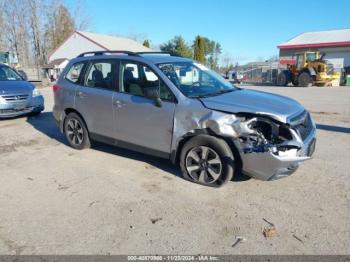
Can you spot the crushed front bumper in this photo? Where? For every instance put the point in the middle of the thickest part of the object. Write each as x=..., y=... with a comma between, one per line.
x=13, y=109
x=271, y=166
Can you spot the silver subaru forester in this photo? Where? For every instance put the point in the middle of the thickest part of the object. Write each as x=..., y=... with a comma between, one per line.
x=175, y=108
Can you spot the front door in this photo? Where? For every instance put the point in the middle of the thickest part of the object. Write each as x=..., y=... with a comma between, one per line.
x=140, y=124
x=94, y=98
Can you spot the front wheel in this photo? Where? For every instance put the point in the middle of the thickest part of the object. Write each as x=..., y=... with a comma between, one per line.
x=207, y=160
x=76, y=132
x=305, y=80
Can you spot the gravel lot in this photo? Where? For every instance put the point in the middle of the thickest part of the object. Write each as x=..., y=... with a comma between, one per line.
x=105, y=200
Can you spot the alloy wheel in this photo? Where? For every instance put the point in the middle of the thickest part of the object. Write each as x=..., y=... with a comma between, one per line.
x=203, y=164
x=75, y=132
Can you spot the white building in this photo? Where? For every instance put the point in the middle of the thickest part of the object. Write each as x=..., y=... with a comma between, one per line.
x=80, y=42
x=334, y=43
x=55, y=67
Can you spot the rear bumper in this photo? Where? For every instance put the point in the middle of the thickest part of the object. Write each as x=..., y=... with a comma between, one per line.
x=271, y=166
x=13, y=109
x=59, y=117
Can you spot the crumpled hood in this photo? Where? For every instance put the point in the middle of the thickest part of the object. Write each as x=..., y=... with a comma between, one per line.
x=250, y=101
x=15, y=87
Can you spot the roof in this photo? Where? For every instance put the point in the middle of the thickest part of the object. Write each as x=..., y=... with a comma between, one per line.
x=151, y=57
x=114, y=43
x=340, y=37
x=160, y=58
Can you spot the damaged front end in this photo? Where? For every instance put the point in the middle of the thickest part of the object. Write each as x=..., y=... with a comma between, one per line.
x=270, y=149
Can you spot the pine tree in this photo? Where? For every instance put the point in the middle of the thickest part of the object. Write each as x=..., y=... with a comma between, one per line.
x=199, y=54
x=146, y=43
x=178, y=47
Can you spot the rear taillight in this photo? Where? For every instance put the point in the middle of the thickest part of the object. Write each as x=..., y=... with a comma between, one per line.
x=56, y=88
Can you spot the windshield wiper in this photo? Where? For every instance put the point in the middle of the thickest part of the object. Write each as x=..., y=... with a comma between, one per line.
x=224, y=91
x=217, y=93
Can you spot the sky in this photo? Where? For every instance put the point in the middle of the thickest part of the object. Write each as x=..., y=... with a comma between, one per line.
x=246, y=30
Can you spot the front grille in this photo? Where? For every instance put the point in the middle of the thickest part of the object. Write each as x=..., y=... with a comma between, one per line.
x=302, y=124
x=15, y=98
x=10, y=111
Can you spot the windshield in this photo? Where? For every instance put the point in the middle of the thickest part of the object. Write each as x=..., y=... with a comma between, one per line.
x=195, y=80
x=310, y=57
x=8, y=74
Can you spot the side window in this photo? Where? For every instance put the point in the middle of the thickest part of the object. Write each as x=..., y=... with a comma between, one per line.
x=150, y=76
x=130, y=80
x=134, y=78
x=74, y=72
x=300, y=61
x=165, y=93
x=207, y=80
x=100, y=75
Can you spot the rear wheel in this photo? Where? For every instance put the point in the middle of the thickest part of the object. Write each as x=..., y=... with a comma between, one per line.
x=207, y=160
x=76, y=132
x=305, y=80
x=283, y=79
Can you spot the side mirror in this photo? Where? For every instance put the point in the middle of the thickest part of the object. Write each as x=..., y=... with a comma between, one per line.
x=152, y=92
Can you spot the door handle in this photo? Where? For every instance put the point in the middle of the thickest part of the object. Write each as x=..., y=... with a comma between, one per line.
x=81, y=94
x=119, y=103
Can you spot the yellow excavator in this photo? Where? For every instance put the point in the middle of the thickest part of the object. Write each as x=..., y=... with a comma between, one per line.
x=4, y=58
x=310, y=69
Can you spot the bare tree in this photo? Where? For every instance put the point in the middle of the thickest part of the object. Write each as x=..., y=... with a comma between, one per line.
x=2, y=25
x=15, y=27
x=33, y=28
x=260, y=59
x=59, y=25
x=227, y=62
x=82, y=19
x=138, y=37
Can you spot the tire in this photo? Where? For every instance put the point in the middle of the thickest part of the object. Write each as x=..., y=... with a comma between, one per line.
x=295, y=82
x=207, y=160
x=305, y=79
x=282, y=79
x=76, y=132
x=35, y=113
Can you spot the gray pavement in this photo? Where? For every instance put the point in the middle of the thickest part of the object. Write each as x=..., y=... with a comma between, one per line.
x=105, y=200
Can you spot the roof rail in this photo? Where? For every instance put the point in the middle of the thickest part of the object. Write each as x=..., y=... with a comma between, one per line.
x=153, y=53
x=111, y=52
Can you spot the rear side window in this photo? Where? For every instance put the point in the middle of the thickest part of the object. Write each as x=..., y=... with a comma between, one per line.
x=74, y=73
x=101, y=75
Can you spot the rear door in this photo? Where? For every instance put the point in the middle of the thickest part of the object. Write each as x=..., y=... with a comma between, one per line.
x=94, y=98
x=140, y=124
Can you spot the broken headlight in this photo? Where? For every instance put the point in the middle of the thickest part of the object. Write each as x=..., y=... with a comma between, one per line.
x=263, y=135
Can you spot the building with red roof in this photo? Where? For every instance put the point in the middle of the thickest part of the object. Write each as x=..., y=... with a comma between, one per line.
x=334, y=43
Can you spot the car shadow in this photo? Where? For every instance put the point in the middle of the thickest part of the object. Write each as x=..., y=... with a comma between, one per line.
x=45, y=124
x=338, y=129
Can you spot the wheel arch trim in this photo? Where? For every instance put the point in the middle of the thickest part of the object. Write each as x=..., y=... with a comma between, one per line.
x=175, y=154
x=69, y=110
